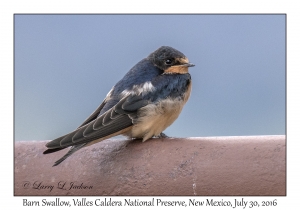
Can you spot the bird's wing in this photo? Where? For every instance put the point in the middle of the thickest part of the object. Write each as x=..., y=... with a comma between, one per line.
x=112, y=121
x=94, y=115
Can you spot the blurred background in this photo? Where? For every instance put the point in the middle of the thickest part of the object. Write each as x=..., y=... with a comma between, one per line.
x=66, y=64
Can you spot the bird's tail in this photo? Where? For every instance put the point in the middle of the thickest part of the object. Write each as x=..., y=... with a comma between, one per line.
x=70, y=152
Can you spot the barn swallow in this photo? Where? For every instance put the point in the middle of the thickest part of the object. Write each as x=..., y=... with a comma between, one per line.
x=147, y=100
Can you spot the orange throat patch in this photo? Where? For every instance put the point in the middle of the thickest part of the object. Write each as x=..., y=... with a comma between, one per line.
x=177, y=70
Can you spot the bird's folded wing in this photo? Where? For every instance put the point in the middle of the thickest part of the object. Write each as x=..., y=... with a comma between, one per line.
x=113, y=120
x=94, y=115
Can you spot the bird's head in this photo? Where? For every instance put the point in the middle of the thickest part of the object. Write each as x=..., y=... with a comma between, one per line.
x=170, y=60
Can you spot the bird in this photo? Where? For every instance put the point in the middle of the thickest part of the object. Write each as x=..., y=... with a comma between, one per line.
x=147, y=100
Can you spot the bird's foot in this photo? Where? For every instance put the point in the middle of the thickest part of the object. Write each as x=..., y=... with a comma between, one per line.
x=162, y=135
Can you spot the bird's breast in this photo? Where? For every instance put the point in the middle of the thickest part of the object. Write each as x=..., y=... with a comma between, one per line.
x=155, y=118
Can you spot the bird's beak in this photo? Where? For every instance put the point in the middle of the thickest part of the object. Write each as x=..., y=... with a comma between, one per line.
x=188, y=64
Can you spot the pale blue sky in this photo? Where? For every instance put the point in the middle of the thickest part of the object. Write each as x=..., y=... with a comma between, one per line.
x=66, y=64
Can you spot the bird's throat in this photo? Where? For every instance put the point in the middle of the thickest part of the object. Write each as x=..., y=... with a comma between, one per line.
x=177, y=70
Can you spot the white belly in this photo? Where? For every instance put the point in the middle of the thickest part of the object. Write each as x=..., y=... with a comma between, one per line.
x=156, y=118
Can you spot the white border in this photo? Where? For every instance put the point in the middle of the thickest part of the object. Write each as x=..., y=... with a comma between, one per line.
x=8, y=8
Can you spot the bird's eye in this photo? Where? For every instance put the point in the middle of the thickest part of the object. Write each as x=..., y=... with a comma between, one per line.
x=168, y=62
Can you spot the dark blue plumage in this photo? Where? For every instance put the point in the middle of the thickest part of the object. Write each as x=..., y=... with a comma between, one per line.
x=142, y=72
